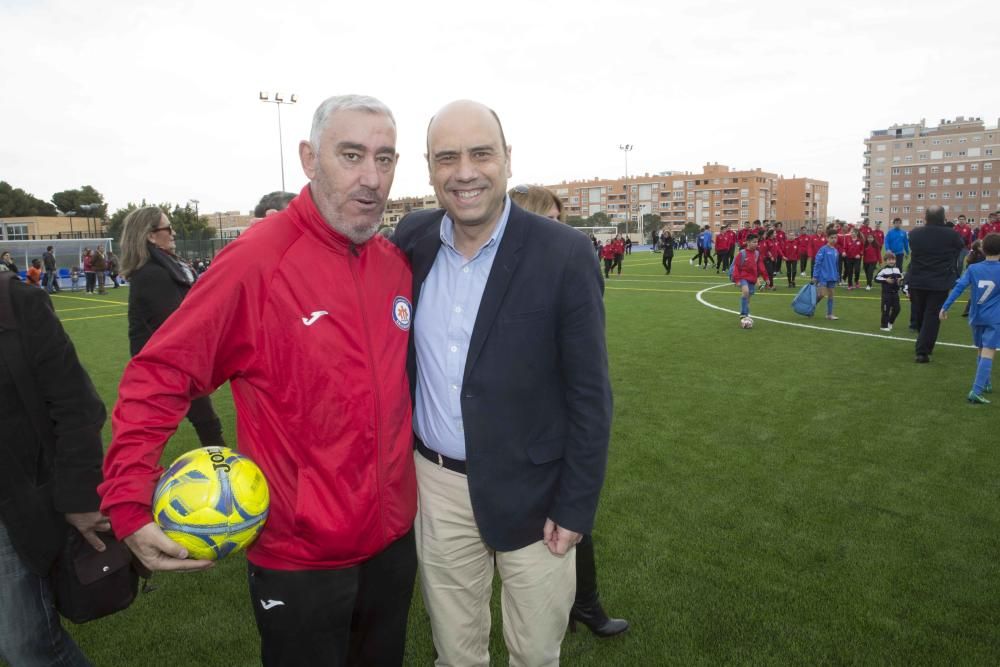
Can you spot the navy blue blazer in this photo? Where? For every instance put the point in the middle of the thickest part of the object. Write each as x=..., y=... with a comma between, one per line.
x=536, y=397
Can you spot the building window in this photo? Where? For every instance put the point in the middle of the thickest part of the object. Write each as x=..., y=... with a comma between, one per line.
x=987, y=166
x=17, y=232
x=896, y=171
x=907, y=170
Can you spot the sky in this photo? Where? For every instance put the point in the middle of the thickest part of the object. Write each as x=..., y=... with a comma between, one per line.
x=159, y=100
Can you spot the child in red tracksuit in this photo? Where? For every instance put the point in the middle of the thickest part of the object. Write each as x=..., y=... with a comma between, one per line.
x=608, y=255
x=748, y=272
x=853, y=248
x=870, y=255
x=769, y=251
x=816, y=241
x=790, y=251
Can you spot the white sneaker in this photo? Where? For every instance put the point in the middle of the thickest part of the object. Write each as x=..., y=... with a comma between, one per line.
x=885, y=328
x=868, y=289
x=890, y=327
x=802, y=275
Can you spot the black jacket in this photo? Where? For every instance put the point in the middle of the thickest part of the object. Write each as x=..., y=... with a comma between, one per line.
x=934, y=251
x=536, y=398
x=50, y=449
x=155, y=291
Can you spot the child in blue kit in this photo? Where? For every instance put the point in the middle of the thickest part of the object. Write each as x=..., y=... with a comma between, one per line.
x=826, y=272
x=983, y=279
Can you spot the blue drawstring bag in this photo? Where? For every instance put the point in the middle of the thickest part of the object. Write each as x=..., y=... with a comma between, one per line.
x=804, y=302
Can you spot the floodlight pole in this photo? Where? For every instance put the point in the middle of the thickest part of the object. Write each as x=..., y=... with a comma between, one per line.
x=628, y=205
x=278, y=101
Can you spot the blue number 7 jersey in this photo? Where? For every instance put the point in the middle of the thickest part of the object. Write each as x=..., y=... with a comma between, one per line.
x=984, y=280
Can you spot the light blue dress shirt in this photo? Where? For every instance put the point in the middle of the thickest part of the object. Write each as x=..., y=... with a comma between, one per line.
x=442, y=327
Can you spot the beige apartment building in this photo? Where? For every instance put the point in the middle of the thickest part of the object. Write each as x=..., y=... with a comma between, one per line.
x=802, y=201
x=395, y=209
x=910, y=167
x=716, y=196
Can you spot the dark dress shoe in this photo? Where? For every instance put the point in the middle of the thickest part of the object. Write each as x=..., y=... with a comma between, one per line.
x=922, y=359
x=596, y=620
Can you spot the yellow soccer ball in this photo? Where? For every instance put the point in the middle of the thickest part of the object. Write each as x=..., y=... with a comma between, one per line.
x=212, y=501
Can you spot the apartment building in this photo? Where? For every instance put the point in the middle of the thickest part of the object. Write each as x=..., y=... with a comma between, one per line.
x=716, y=196
x=395, y=209
x=910, y=167
x=802, y=201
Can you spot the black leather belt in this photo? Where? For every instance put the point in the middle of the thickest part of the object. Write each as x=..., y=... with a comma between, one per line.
x=451, y=464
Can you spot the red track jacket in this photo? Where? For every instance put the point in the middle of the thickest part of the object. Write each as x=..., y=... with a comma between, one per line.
x=311, y=331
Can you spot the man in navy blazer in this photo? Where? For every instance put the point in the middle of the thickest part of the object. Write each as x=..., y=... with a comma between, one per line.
x=512, y=407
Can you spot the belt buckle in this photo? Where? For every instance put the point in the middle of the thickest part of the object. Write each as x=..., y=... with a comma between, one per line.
x=440, y=460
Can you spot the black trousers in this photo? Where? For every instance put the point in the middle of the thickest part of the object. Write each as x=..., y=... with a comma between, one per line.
x=618, y=263
x=586, y=573
x=870, y=273
x=890, y=308
x=803, y=261
x=852, y=269
x=667, y=260
x=607, y=266
x=790, y=272
x=926, y=303
x=354, y=616
x=91, y=280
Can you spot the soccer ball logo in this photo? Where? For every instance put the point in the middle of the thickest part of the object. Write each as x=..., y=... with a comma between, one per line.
x=212, y=501
x=746, y=322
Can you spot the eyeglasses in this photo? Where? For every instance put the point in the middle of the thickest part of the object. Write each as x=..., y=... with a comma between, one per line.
x=168, y=228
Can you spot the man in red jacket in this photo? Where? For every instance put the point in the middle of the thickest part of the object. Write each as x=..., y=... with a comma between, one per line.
x=318, y=374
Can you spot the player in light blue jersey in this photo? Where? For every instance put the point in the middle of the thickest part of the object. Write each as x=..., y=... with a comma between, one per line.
x=984, y=315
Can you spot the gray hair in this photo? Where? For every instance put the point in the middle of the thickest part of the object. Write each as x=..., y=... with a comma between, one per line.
x=331, y=105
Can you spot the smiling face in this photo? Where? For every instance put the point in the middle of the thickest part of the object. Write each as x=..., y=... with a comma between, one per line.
x=351, y=171
x=468, y=163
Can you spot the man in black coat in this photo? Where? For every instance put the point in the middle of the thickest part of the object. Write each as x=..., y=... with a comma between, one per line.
x=934, y=250
x=50, y=466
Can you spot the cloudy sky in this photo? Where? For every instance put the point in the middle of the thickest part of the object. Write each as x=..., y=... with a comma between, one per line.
x=159, y=100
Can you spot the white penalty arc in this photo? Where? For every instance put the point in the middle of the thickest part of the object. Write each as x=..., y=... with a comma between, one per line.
x=701, y=300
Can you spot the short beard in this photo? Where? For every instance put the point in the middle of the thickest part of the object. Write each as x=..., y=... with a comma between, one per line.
x=359, y=233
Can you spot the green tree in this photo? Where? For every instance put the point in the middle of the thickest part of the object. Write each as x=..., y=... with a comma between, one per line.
x=691, y=229
x=15, y=202
x=187, y=224
x=71, y=200
x=599, y=219
x=576, y=221
x=117, y=220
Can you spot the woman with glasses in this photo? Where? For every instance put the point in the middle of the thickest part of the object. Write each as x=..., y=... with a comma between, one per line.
x=587, y=607
x=158, y=282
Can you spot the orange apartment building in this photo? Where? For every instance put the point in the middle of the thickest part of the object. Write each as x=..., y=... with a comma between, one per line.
x=716, y=196
x=911, y=166
x=802, y=201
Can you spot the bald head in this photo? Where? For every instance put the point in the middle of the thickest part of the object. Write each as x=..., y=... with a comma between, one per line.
x=464, y=107
x=469, y=163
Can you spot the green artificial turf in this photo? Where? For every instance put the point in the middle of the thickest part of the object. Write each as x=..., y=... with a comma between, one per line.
x=779, y=495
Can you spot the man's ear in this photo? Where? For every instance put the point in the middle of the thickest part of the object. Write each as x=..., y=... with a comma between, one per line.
x=308, y=158
x=509, y=172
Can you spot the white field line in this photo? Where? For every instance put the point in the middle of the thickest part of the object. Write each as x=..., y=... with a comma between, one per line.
x=701, y=300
